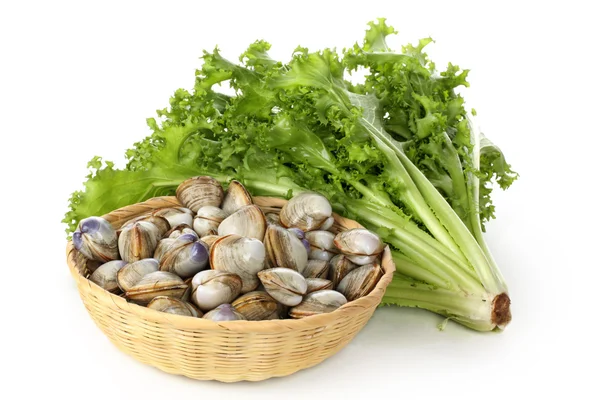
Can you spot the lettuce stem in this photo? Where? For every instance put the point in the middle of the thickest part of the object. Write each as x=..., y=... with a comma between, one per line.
x=472, y=310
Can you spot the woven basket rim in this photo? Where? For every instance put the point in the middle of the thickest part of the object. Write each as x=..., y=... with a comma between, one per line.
x=184, y=322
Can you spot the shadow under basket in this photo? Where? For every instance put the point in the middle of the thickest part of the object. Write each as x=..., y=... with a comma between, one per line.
x=224, y=351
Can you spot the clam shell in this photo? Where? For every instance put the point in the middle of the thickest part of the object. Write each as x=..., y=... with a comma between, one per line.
x=321, y=240
x=132, y=273
x=284, y=249
x=185, y=257
x=359, y=242
x=321, y=245
x=255, y=306
x=316, y=269
x=339, y=267
x=159, y=283
x=307, y=211
x=360, y=281
x=320, y=302
x=236, y=197
x=172, y=305
x=210, y=239
x=272, y=219
x=161, y=223
x=224, y=312
x=318, y=254
x=316, y=284
x=200, y=191
x=96, y=239
x=363, y=260
x=208, y=219
x=240, y=255
x=105, y=275
x=212, y=213
x=175, y=215
x=212, y=288
x=181, y=229
x=138, y=241
x=284, y=285
x=248, y=221
x=327, y=224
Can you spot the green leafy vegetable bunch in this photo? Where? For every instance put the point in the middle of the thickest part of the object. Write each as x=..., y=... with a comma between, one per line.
x=398, y=152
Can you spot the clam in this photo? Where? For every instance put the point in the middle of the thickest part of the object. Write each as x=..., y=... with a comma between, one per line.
x=255, y=306
x=284, y=249
x=173, y=305
x=185, y=257
x=360, y=281
x=360, y=245
x=207, y=221
x=138, y=240
x=181, y=229
x=161, y=223
x=272, y=219
x=363, y=260
x=316, y=284
x=96, y=239
x=284, y=285
x=225, y=312
x=316, y=269
x=210, y=239
x=320, y=302
x=162, y=247
x=105, y=275
x=339, y=267
x=307, y=211
x=132, y=273
x=212, y=288
x=240, y=255
x=159, y=283
x=248, y=221
x=175, y=215
x=236, y=197
x=321, y=245
x=327, y=224
x=200, y=191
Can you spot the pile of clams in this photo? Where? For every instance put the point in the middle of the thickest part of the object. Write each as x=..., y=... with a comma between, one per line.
x=220, y=257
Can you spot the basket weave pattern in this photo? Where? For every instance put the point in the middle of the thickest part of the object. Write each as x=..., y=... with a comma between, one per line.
x=225, y=351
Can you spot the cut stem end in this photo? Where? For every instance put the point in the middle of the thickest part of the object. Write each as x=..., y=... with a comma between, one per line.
x=501, y=315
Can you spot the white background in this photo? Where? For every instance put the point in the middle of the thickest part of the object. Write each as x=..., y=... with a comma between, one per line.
x=79, y=79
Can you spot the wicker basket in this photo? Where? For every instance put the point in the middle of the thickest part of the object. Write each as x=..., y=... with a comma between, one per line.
x=226, y=351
